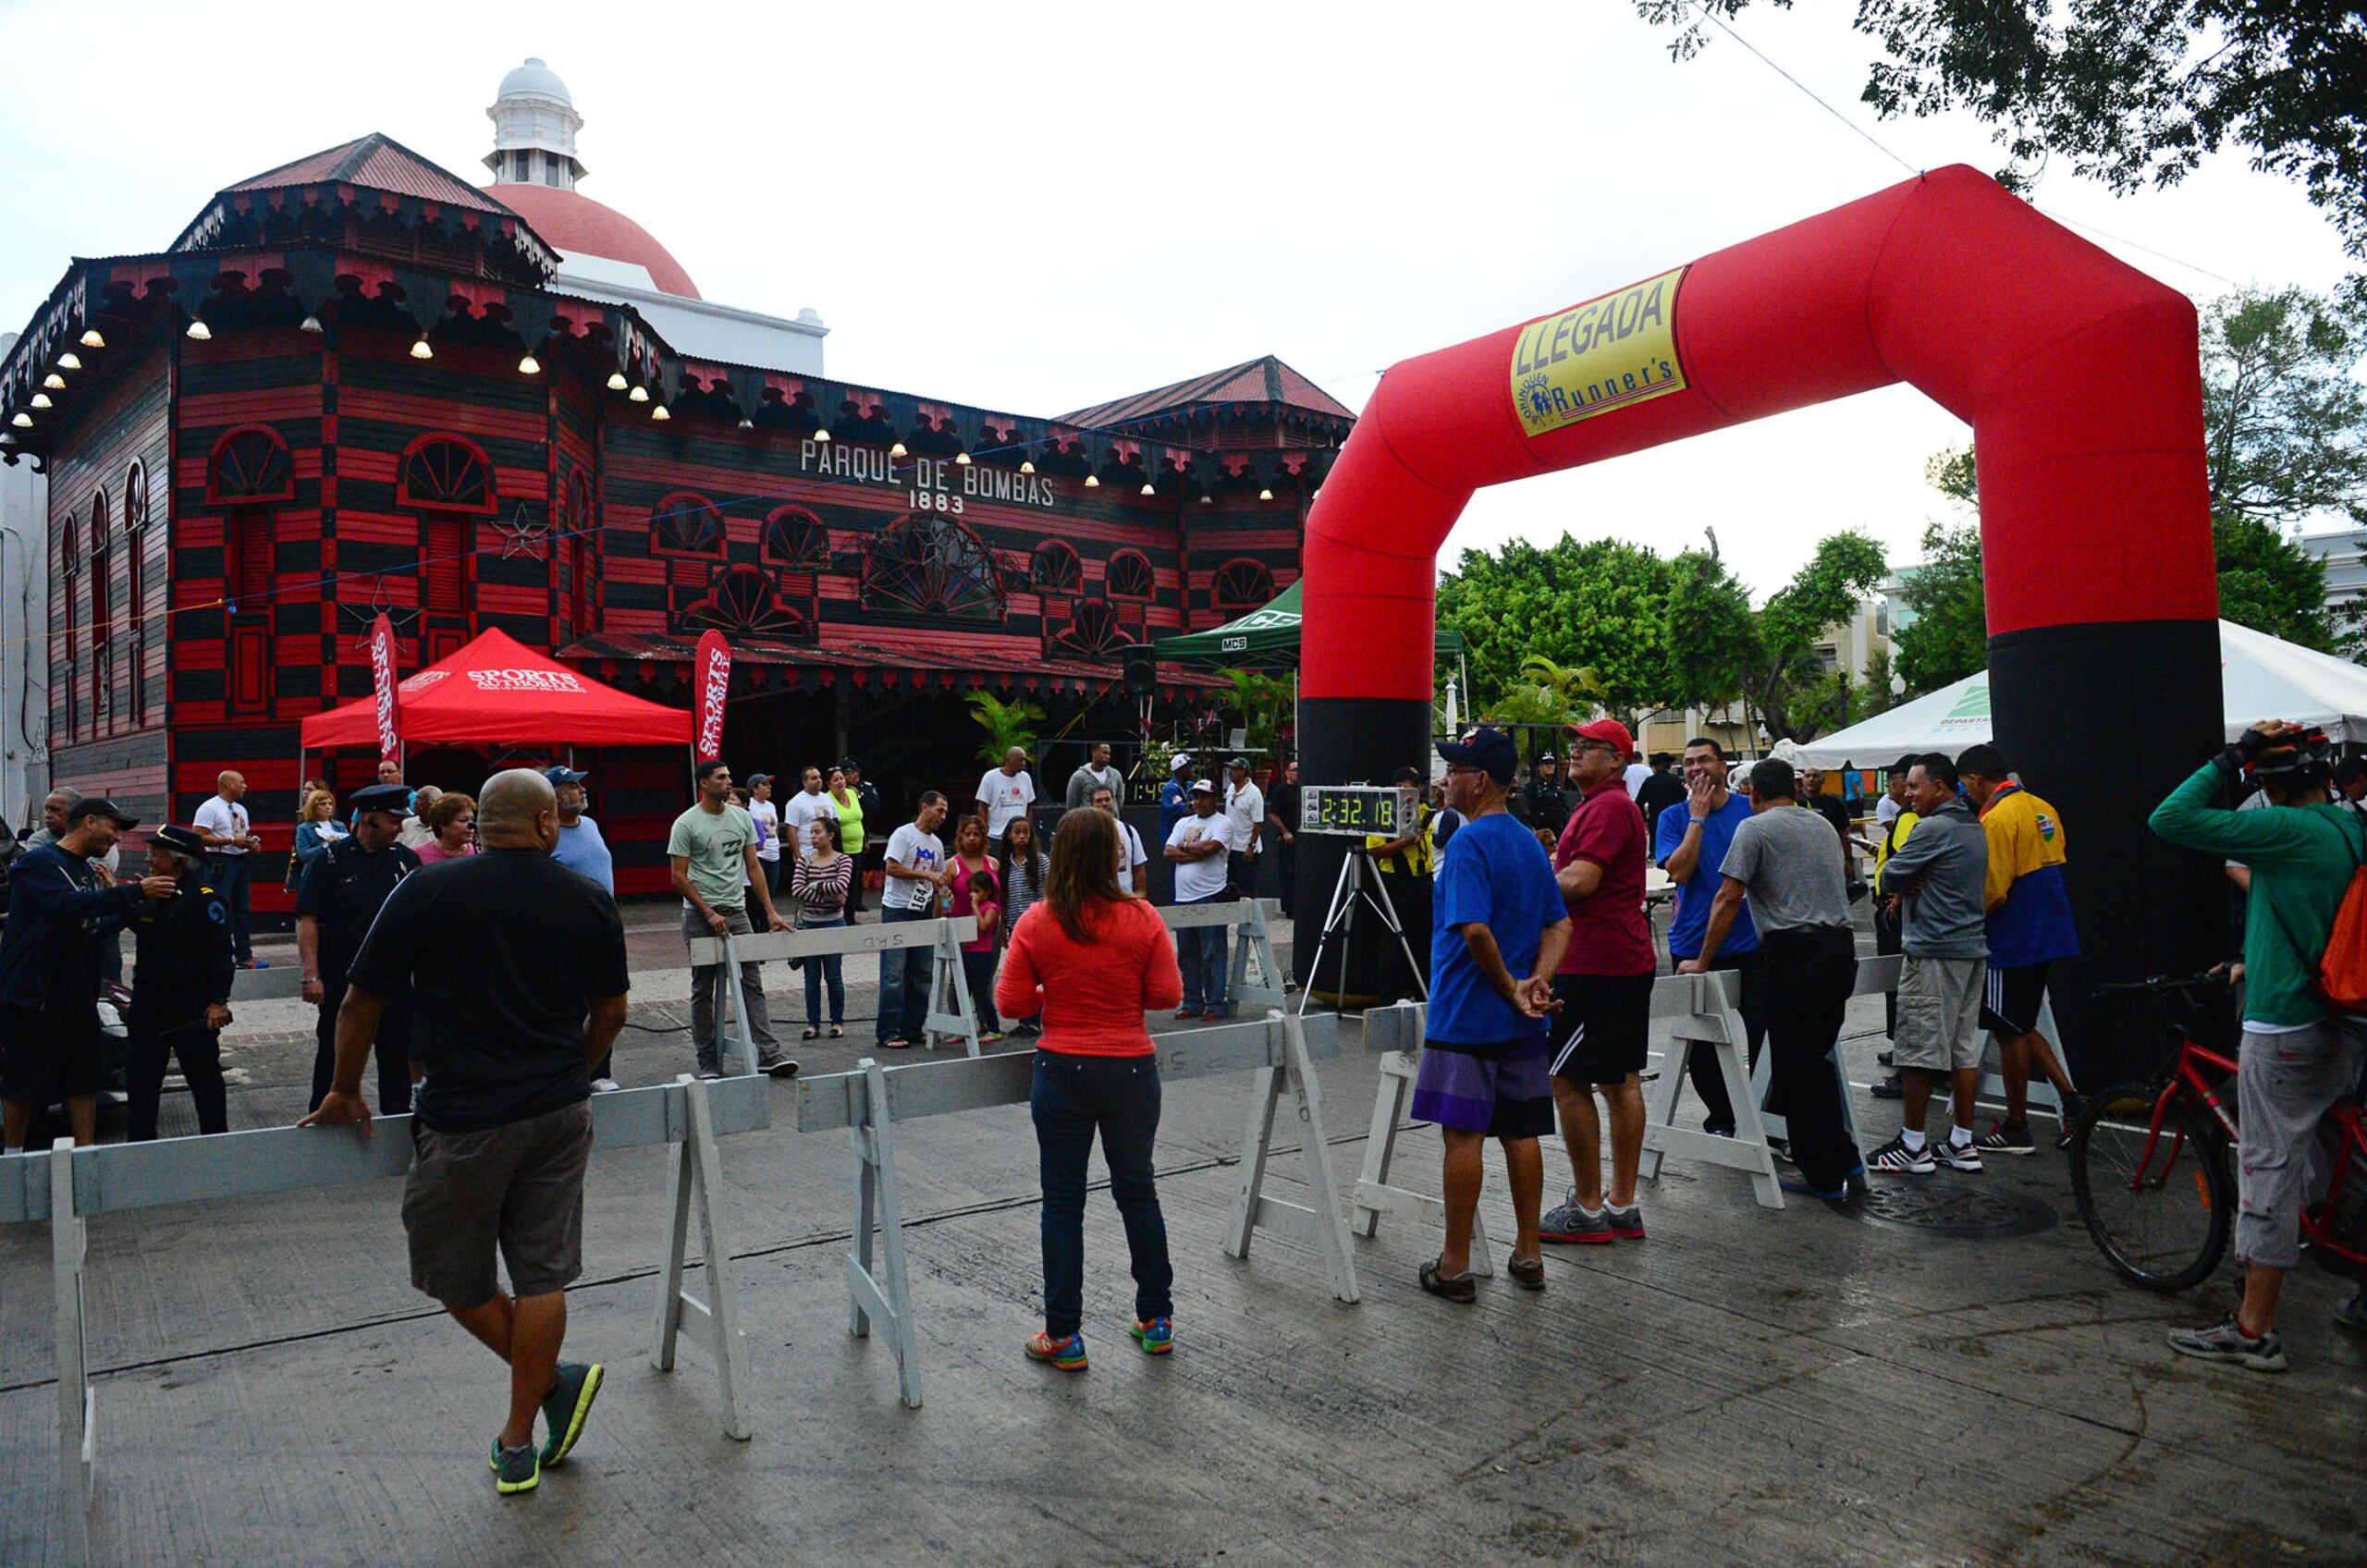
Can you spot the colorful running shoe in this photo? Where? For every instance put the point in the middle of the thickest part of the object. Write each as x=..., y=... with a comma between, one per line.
x=1068, y=1354
x=568, y=1405
x=1156, y=1335
x=515, y=1469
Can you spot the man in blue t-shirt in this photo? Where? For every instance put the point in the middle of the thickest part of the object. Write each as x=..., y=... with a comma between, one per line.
x=1689, y=843
x=1498, y=933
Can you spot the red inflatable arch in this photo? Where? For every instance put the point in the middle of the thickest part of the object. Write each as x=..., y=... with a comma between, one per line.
x=2081, y=378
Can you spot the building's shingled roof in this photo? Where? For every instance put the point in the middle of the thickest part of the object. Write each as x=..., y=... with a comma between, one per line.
x=1265, y=380
x=380, y=162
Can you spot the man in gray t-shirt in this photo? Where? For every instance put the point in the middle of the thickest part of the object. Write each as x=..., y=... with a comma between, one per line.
x=1784, y=859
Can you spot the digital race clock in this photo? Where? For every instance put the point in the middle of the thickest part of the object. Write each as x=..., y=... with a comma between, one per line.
x=1357, y=810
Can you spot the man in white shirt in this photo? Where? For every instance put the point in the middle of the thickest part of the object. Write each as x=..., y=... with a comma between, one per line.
x=803, y=808
x=230, y=838
x=1637, y=771
x=1245, y=805
x=1098, y=773
x=1893, y=798
x=766, y=816
x=1134, y=863
x=1005, y=792
x=1197, y=847
x=916, y=871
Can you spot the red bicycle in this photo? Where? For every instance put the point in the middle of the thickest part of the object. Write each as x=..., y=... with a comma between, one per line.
x=2151, y=1168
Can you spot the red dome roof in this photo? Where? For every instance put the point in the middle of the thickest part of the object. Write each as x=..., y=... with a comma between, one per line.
x=576, y=224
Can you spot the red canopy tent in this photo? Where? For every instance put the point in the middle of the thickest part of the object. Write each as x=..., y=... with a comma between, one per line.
x=499, y=692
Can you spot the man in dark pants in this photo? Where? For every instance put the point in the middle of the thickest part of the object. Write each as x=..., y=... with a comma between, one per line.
x=49, y=996
x=875, y=818
x=1784, y=859
x=230, y=843
x=339, y=896
x=1405, y=864
x=181, y=988
x=1689, y=842
x=1281, y=823
x=519, y=965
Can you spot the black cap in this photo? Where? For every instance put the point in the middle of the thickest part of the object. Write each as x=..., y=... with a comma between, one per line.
x=1409, y=776
x=395, y=798
x=848, y=764
x=1547, y=756
x=1241, y=763
x=1486, y=748
x=181, y=840
x=99, y=805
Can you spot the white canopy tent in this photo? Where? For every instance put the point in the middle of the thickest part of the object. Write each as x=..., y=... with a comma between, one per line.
x=2263, y=677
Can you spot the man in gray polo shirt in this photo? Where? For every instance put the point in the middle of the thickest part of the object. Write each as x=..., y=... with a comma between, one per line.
x=1782, y=858
x=1939, y=876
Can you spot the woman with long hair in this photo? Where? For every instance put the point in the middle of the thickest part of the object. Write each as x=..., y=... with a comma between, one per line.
x=1024, y=866
x=452, y=822
x=977, y=890
x=818, y=881
x=1092, y=961
x=316, y=828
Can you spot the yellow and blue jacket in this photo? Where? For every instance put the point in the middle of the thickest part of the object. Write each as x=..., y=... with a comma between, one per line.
x=2030, y=907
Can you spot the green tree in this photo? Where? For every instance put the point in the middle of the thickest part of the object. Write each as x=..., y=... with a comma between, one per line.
x=1006, y=724
x=2132, y=94
x=1948, y=638
x=1720, y=649
x=1599, y=606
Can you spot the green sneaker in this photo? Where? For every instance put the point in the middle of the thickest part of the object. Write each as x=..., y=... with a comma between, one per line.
x=568, y=1405
x=515, y=1469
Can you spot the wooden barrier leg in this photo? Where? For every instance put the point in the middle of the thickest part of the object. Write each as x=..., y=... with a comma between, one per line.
x=1750, y=1132
x=1265, y=1093
x=889, y=1302
x=694, y=1180
x=950, y=1014
x=1323, y=1224
x=1659, y=1104
x=737, y=1000
x=1316, y=1150
x=77, y=1440
x=1374, y=1194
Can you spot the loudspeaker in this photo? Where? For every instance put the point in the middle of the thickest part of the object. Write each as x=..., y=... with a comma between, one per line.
x=1141, y=672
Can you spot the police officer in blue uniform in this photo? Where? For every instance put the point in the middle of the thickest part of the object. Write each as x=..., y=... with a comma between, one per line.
x=338, y=898
x=180, y=986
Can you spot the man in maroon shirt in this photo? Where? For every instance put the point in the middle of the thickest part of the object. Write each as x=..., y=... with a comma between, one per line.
x=1605, y=987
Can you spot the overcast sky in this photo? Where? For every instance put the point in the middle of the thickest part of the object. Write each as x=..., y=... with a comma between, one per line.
x=1035, y=207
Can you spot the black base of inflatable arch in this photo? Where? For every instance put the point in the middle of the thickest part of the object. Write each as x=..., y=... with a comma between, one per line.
x=2104, y=720
x=1350, y=741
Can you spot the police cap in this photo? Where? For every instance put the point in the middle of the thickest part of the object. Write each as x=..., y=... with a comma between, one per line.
x=393, y=798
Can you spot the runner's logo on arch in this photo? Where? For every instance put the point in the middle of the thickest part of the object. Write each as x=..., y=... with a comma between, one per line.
x=1606, y=353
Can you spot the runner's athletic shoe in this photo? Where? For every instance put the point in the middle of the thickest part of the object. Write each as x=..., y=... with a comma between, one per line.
x=568, y=1405
x=2006, y=1137
x=515, y=1469
x=1954, y=1156
x=1627, y=1224
x=1156, y=1335
x=1897, y=1159
x=1572, y=1222
x=2352, y=1314
x=2071, y=1108
x=1068, y=1354
x=2224, y=1341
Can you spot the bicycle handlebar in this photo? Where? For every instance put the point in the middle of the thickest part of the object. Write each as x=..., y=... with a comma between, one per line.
x=2209, y=979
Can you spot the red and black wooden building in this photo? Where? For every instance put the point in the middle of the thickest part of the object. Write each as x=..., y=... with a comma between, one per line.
x=352, y=387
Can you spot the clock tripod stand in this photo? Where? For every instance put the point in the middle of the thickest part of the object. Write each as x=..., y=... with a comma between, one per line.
x=1360, y=882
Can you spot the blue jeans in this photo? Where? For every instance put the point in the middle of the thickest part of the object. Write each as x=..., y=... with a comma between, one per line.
x=1200, y=953
x=817, y=970
x=903, y=981
x=232, y=877
x=1074, y=1097
x=978, y=971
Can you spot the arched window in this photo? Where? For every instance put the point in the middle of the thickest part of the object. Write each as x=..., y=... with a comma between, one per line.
x=795, y=537
x=741, y=602
x=447, y=474
x=1241, y=586
x=250, y=463
x=924, y=564
x=1129, y=575
x=101, y=555
x=686, y=524
x=1056, y=568
x=69, y=565
x=135, y=597
x=1094, y=631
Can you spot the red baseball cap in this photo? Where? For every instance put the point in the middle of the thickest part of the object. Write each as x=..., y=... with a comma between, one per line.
x=1610, y=731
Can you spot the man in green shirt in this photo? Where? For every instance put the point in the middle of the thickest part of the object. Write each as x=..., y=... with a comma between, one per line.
x=2299, y=1058
x=712, y=853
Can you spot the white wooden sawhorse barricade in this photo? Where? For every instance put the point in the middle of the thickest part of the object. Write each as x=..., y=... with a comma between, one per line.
x=1709, y=1015
x=68, y=1187
x=870, y=1101
x=950, y=1015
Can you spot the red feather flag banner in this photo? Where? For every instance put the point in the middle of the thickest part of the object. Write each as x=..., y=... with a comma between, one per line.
x=386, y=694
x=711, y=681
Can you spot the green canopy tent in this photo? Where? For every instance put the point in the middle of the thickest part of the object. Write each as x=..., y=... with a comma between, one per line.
x=1267, y=635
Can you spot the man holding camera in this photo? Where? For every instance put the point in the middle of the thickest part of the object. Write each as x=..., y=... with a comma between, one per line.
x=2300, y=1056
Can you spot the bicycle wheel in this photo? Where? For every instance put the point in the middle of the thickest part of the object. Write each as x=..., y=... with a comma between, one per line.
x=2159, y=1207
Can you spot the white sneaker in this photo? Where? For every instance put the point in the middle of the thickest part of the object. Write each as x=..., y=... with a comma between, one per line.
x=605, y=1085
x=1955, y=1156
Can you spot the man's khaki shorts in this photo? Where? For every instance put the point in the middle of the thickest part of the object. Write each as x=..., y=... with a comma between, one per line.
x=1939, y=1013
x=517, y=1188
